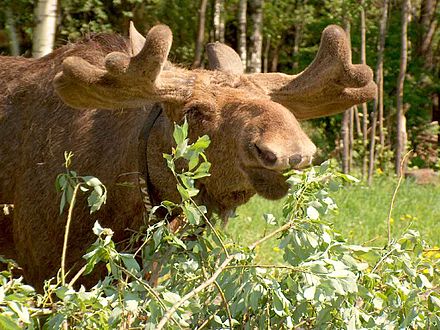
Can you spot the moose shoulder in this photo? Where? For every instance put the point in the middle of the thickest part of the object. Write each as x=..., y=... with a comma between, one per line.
x=96, y=96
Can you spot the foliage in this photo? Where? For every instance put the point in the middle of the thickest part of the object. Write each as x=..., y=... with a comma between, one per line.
x=207, y=280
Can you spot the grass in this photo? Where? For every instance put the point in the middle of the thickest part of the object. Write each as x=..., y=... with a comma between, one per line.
x=361, y=217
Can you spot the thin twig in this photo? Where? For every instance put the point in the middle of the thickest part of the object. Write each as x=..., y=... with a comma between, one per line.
x=205, y=323
x=192, y=293
x=295, y=269
x=395, y=194
x=77, y=275
x=211, y=226
x=150, y=290
x=66, y=234
x=272, y=234
x=225, y=302
x=386, y=255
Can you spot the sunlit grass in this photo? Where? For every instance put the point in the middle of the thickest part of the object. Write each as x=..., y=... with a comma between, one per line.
x=361, y=217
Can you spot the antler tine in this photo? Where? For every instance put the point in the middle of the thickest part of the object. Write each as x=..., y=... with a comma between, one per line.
x=330, y=84
x=126, y=81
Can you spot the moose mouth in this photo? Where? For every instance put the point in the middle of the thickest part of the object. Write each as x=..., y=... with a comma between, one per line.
x=267, y=183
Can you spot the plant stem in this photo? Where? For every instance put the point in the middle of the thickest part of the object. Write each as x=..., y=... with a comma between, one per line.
x=66, y=234
x=225, y=302
x=192, y=293
x=395, y=194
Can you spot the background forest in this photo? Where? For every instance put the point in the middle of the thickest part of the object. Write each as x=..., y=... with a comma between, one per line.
x=400, y=40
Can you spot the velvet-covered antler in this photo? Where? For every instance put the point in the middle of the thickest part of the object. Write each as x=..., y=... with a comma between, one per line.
x=329, y=85
x=223, y=58
x=125, y=81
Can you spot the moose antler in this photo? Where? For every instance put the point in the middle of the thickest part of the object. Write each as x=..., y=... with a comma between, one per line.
x=223, y=58
x=330, y=84
x=126, y=81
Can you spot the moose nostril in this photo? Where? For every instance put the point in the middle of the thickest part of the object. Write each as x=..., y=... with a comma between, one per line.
x=266, y=155
x=295, y=160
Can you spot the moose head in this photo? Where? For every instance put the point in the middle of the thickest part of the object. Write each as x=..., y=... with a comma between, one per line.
x=252, y=119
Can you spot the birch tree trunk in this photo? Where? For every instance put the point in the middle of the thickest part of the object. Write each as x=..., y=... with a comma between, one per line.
x=46, y=24
x=257, y=36
x=242, y=23
x=347, y=125
x=219, y=21
x=401, y=119
x=345, y=133
x=200, y=34
x=14, y=43
x=378, y=102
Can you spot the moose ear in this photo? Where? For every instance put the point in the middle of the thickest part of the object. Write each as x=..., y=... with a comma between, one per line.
x=137, y=40
x=223, y=58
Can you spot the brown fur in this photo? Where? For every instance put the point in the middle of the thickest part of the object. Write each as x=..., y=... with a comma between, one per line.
x=253, y=141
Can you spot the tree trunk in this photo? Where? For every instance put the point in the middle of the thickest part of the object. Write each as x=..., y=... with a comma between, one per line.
x=200, y=35
x=275, y=57
x=219, y=21
x=46, y=24
x=378, y=101
x=256, y=8
x=266, y=55
x=346, y=125
x=428, y=25
x=14, y=43
x=364, y=105
x=296, y=43
x=242, y=8
x=401, y=120
x=345, y=133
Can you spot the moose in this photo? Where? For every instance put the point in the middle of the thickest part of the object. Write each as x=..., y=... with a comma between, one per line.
x=96, y=97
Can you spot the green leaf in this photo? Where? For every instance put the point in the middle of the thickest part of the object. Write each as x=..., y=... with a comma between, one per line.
x=201, y=144
x=309, y=293
x=180, y=132
x=312, y=213
x=129, y=262
x=8, y=323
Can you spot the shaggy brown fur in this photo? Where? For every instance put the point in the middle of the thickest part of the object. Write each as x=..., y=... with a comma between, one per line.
x=253, y=138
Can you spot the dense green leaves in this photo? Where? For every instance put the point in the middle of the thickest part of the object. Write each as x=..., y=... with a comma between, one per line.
x=323, y=282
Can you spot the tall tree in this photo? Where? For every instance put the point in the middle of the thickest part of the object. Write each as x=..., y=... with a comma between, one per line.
x=46, y=24
x=200, y=34
x=347, y=124
x=14, y=43
x=219, y=20
x=364, y=105
x=427, y=24
x=242, y=26
x=378, y=102
x=256, y=7
x=401, y=119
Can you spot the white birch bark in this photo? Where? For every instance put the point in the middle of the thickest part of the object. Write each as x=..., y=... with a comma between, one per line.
x=242, y=23
x=401, y=119
x=257, y=36
x=46, y=23
x=219, y=22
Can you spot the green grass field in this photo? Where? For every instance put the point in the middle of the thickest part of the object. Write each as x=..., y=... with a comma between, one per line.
x=361, y=217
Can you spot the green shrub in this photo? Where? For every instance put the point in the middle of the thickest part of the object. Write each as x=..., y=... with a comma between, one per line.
x=206, y=280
